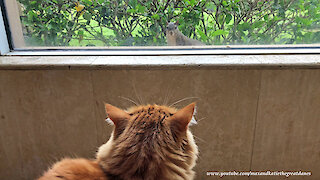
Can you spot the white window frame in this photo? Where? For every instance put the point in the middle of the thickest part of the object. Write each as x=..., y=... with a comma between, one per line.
x=4, y=45
x=227, y=55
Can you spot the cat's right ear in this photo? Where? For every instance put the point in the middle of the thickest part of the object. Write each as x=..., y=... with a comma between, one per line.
x=181, y=119
x=116, y=115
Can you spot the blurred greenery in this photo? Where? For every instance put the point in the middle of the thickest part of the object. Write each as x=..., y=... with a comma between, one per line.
x=143, y=23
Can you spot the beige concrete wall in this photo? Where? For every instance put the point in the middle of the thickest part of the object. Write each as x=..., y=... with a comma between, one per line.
x=249, y=119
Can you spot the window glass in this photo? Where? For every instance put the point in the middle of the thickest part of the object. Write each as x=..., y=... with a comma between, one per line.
x=168, y=22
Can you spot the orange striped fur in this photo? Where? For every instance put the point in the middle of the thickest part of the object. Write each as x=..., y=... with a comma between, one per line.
x=149, y=142
x=72, y=169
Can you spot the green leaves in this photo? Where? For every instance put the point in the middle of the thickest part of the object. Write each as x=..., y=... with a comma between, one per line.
x=31, y=16
x=219, y=32
x=203, y=36
x=156, y=16
x=134, y=22
x=244, y=26
x=87, y=16
x=228, y=18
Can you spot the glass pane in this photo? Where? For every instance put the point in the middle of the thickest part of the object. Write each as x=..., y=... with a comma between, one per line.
x=168, y=22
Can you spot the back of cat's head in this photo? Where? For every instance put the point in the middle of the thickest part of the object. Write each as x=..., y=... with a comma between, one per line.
x=149, y=136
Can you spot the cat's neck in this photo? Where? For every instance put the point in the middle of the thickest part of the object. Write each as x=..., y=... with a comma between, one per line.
x=145, y=161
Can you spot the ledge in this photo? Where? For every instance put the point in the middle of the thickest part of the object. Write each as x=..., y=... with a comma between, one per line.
x=162, y=62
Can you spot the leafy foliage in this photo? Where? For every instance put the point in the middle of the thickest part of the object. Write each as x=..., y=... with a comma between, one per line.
x=142, y=22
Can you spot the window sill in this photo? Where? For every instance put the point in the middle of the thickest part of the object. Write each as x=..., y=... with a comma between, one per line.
x=162, y=62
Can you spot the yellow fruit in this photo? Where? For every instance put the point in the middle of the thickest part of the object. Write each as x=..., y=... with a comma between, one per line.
x=79, y=8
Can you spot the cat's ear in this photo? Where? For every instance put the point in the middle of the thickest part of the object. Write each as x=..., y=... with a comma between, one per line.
x=181, y=119
x=177, y=23
x=115, y=114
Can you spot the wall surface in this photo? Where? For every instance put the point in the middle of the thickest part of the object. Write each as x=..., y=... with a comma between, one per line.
x=248, y=119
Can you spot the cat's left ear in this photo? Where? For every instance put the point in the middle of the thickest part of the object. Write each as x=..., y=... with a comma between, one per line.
x=181, y=119
x=116, y=115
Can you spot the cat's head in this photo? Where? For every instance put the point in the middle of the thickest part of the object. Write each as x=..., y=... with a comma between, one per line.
x=147, y=137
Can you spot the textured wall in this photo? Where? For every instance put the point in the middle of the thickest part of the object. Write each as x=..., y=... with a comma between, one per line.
x=249, y=119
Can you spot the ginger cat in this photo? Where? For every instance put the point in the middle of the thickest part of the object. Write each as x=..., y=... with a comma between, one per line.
x=149, y=142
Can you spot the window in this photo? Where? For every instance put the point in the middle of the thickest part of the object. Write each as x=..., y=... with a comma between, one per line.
x=209, y=26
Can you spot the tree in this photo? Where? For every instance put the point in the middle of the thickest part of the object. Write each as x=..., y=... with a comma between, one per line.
x=141, y=22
